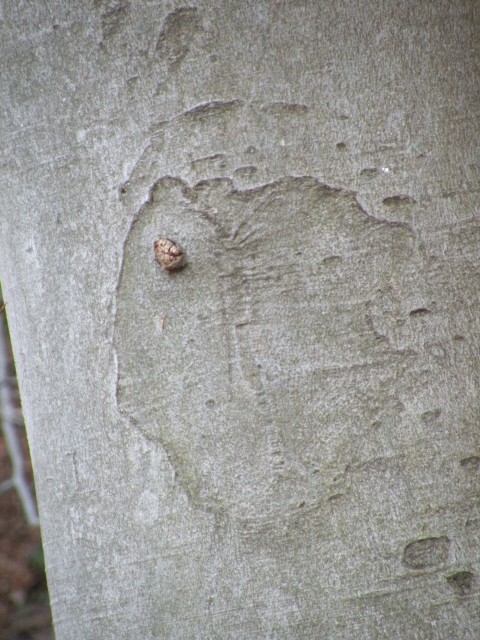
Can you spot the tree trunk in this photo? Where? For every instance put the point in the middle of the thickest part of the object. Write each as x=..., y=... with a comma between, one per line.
x=280, y=439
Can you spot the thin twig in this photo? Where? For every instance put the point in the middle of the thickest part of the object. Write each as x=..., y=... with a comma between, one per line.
x=6, y=485
x=9, y=415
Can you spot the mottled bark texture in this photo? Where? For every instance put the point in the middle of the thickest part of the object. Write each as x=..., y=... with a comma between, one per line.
x=281, y=439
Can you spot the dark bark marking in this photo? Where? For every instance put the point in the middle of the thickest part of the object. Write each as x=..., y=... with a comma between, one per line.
x=245, y=172
x=461, y=582
x=287, y=108
x=426, y=553
x=175, y=36
x=419, y=313
x=113, y=18
x=369, y=172
x=398, y=200
x=216, y=160
x=472, y=463
x=431, y=417
x=212, y=108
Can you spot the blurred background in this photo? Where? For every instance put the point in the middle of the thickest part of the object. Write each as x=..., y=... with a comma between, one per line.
x=24, y=605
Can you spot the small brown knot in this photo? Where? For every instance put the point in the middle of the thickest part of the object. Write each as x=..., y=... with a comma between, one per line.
x=169, y=254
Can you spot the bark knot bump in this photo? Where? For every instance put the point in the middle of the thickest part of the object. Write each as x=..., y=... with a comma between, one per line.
x=169, y=254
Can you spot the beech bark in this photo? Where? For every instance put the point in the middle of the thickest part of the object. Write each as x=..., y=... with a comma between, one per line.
x=279, y=440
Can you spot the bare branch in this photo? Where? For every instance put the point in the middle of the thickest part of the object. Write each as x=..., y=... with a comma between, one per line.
x=9, y=422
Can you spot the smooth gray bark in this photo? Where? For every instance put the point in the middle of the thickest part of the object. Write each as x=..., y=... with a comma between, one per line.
x=281, y=440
